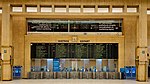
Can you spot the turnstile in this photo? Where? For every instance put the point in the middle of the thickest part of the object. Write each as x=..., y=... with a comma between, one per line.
x=61, y=75
x=47, y=75
x=35, y=75
x=74, y=75
x=94, y=75
x=103, y=75
x=80, y=75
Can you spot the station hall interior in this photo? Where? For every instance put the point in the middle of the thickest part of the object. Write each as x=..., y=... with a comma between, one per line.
x=96, y=41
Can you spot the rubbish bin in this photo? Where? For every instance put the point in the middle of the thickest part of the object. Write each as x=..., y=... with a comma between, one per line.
x=17, y=72
x=128, y=71
x=122, y=73
x=133, y=70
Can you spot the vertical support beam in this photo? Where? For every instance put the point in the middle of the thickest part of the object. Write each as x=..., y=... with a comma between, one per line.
x=6, y=43
x=121, y=56
x=110, y=8
x=81, y=9
x=125, y=9
x=96, y=9
x=27, y=58
x=38, y=8
x=142, y=63
x=23, y=8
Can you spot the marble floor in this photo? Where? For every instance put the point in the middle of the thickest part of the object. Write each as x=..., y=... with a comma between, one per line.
x=72, y=81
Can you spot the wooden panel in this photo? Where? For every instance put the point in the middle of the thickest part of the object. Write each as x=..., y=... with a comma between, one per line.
x=0, y=3
x=19, y=30
x=0, y=29
x=148, y=2
x=6, y=68
x=148, y=33
x=130, y=25
x=119, y=2
x=141, y=72
x=6, y=31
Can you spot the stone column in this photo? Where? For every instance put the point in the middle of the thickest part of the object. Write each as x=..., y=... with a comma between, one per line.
x=6, y=43
x=141, y=51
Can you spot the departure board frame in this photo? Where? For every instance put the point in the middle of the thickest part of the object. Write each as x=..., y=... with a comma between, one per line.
x=75, y=50
x=69, y=25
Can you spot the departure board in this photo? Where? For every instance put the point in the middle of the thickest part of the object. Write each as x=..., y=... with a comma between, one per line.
x=47, y=26
x=62, y=51
x=81, y=50
x=75, y=50
x=41, y=51
x=99, y=50
x=112, y=25
x=96, y=26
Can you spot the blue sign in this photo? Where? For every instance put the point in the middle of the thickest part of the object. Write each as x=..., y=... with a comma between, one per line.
x=56, y=65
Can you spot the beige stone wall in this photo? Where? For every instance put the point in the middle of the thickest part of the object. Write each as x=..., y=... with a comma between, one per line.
x=119, y=2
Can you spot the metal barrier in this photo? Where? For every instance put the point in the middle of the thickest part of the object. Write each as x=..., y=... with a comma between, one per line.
x=74, y=75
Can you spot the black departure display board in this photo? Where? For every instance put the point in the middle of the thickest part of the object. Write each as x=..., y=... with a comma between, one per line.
x=96, y=26
x=62, y=51
x=75, y=50
x=47, y=26
x=75, y=26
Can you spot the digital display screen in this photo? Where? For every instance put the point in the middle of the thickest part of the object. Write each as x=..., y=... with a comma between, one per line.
x=75, y=25
x=75, y=50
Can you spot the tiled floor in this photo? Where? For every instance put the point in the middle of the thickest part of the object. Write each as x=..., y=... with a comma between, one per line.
x=72, y=81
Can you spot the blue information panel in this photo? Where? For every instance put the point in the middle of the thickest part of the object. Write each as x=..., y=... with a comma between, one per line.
x=122, y=70
x=56, y=65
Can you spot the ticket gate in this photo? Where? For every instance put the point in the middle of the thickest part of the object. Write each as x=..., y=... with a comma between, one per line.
x=74, y=75
x=47, y=75
x=35, y=75
x=61, y=75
